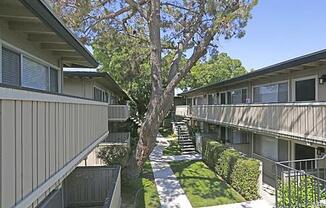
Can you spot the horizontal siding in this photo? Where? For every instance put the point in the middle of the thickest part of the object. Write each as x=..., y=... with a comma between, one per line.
x=39, y=138
x=306, y=120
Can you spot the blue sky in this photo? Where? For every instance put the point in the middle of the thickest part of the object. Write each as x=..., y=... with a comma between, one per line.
x=280, y=30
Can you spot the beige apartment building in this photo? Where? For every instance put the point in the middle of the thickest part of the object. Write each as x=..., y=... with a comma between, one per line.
x=276, y=113
x=45, y=133
x=101, y=87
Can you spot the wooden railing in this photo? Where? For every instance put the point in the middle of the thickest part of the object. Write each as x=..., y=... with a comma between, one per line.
x=182, y=110
x=118, y=112
x=306, y=120
x=43, y=137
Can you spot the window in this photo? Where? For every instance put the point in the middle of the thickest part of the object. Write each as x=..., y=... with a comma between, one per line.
x=238, y=96
x=210, y=100
x=10, y=67
x=266, y=146
x=237, y=137
x=105, y=97
x=98, y=96
x=271, y=93
x=217, y=98
x=53, y=80
x=229, y=97
x=35, y=75
x=223, y=98
x=305, y=90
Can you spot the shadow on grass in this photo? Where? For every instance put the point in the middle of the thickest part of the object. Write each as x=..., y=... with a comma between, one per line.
x=202, y=186
x=140, y=192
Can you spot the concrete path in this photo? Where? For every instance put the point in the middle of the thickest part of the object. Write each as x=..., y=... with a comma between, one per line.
x=170, y=191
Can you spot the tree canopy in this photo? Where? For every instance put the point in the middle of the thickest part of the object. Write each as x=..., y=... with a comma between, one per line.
x=167, y=27
x=218, y=68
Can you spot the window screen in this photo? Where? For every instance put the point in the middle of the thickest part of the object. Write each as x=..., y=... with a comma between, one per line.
x=97, y=94
x=35, y=75
x=53, y=80
x=10, y=67
x=305, y=90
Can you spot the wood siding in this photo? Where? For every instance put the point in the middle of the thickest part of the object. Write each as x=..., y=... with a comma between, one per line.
x=39, y=138
x=304, y=120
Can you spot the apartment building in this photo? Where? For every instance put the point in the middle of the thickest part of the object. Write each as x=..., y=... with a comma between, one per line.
x=45, y=134
x=101, y=87
x=276, y=113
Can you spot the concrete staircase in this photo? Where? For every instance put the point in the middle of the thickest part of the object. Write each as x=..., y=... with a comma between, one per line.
x=186, y=144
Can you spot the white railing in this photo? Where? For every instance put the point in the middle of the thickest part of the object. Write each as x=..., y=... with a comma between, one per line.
x=182, y=110
x=306, y=120
x=43, y=137
x=118, y=112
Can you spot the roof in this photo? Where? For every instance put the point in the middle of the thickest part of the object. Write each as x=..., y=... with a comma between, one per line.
x=288, y=64
x=47, y=16
x=113, y=85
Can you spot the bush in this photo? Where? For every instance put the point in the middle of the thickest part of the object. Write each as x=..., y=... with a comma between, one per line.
x=225, y=163
x=212, y=152
x=240, y=172
x=302, y=191
x=114, y=154
x=244, y=178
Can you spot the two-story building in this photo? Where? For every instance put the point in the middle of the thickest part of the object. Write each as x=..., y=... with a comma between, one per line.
x=45, y=134
x=276, y=113
x=101, y=87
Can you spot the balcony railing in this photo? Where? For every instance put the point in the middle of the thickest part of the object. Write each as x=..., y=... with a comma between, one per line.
x=183, y=110
x=118, y=112
x=117, y=138
x=305, y=120
x=93, y=186
x=43, y=137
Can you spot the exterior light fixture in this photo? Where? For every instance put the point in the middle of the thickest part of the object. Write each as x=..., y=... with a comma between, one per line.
x=322, y=79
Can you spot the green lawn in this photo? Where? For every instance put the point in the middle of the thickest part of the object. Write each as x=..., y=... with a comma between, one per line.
x=147, y=196
x=202, y=186
x=173, y=148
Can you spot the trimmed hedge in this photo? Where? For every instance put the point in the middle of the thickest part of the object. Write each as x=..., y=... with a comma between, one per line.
x=240, y=172
x=245, y=176
x=225, y=163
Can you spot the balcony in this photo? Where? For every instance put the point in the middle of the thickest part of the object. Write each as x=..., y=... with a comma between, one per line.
x=298, y=120
x=118, y=112
x=43, y=137
x=93, y=186
x=122, y=138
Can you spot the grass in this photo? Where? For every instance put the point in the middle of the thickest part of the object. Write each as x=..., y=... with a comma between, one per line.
x=202, y=186
x=172, y=149
x=147, y=196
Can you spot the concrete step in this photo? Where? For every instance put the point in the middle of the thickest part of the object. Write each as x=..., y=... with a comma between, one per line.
x=189, y=153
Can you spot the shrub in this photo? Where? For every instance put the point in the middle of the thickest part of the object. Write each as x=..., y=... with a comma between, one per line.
x=302, y=191
x=212, y=152
x=114, y=154
x=240, y=172
x=244, y=177
x=225, y=163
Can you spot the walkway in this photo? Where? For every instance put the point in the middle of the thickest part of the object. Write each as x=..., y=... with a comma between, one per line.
x=170, y=191
x=168, y=187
